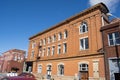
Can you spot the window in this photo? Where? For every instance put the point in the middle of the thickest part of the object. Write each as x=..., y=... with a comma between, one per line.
x=49, y=40
x=83, y=28
x=15, y=58
x=43, y=53
x=65, y=34
x=19, y=57
x=33, y=45
x=114, y=38
x=41, y=42
x=59, y=49
x=60, y=36
x=48, y=51
x=53, y=50
x=84, y=44
x=44, y=41
x=39, y=68
x=83, y=67
x=32, y=54
x=64, y=47
x=49, y=69
x=60, y=69
x=53, y=38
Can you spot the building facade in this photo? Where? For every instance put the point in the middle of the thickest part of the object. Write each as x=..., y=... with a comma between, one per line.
x=111, y=41
x=12, y=60
x=71, y=47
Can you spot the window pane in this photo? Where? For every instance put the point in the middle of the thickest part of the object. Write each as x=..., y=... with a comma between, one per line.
x=86, y=43
x=81, y=44
x=117, y=41
x=117, y=34
x=110, y=36
x=83, y=28
x=111, y=42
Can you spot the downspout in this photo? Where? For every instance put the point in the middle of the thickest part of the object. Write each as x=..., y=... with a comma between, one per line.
x=104, y=52
x=105, y=57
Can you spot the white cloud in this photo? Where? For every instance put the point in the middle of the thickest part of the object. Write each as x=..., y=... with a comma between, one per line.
x=111, y=4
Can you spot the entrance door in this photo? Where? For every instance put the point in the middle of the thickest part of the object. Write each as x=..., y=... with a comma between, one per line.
x=84, y=75
x=84, y=72
x=95, y=70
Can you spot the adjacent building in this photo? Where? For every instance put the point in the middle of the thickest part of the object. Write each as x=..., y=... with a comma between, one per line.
x=111, y=42
x=12, y=60
x=71, y=47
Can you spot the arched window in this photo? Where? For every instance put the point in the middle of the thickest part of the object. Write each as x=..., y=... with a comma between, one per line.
x=60, y=69
x=39, y=68
x=49, y=69
x=83, y=27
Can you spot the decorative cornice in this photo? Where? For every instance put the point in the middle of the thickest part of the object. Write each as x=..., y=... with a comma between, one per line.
x=102, y=7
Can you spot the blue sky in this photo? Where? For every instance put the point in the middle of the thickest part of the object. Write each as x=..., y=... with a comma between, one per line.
x=20, y=19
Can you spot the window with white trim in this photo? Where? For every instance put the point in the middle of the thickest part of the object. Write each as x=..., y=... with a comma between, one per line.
x=41, y=42
x=33, y=45
x=64, y=47
x=83, y=28
x=60, y=36
x=54, y=38
x=48, y=51
x=44, y=41
x=83, y=67
x=114, y=38
x=15, y=58
x=60, y=69
x=39, y=68
x=65, y=34
x=43, y=52
x=59, y=49
x=84, y=44
x=49, y=69
x=32, y=54
x=49, y=40
x=53, y=50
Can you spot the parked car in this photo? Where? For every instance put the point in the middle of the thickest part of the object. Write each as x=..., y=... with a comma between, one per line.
x=22, y=76
x=2, y=75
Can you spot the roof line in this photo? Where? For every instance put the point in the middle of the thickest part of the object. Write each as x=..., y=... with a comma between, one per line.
x=100, y=6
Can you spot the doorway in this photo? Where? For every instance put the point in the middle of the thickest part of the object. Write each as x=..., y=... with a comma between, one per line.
x=84, y=71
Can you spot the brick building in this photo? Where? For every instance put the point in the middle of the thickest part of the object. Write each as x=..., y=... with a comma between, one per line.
x=71, y=47
x=12, y=60
x=111, y=41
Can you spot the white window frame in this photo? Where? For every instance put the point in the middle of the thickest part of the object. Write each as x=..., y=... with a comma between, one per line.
x=84, y=46
x=33, y=45
x=54, y=38
x=58, y=72
x=41, y=42
x=44, y=41
x=64, y=48
x=49, y=40
x=81, y=28
x=43, y=52
x=65, y=34
x=59, y=49
x=39, y=68
x=48, y=51
x=59, y=36
x=113, y=38
x=53, y=50
x=81, y=68
x=32, y=54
